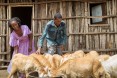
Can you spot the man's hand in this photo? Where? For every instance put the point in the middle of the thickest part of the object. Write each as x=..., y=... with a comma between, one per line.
x=39, y=50
x=62, y=47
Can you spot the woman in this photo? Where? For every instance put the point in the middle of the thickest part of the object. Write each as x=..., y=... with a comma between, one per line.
x=20, y=38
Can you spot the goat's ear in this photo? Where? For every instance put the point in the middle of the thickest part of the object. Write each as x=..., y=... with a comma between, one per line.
x=61, y=72
x=41, y=75
x=46, y=68
x=63, y=76
x=107, y=75
x=49, y=71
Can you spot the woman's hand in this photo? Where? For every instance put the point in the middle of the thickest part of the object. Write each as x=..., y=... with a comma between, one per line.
x=30, y=49
x=16, y=49
x=30, y=42
x=62, y=47
x=16, y=52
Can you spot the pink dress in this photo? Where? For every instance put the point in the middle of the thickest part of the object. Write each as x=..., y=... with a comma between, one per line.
x=22, y=42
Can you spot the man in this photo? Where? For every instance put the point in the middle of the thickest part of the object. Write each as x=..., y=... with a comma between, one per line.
x=55, y=34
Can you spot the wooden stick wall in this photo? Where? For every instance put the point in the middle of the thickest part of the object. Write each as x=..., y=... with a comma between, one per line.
x=76, y=14
x=4, y=36
x=81, y=34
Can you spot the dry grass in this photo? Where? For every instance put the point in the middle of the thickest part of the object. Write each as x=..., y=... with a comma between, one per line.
x=3, y=73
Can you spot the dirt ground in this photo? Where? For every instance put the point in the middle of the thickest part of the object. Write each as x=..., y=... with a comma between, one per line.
x=3, y=73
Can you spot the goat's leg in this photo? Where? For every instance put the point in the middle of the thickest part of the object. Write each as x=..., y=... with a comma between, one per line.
x=15, y=75
x=27, y=74
x=13, y=70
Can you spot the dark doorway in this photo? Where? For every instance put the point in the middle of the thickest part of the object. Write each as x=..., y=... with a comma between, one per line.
x=24, y=13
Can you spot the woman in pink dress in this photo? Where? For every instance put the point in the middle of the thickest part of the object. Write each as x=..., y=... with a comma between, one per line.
x=20, y=38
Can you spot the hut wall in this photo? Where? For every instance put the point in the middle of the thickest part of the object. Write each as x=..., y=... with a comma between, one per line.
x=76, y=14
x=4, y=34
x=81, y=33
